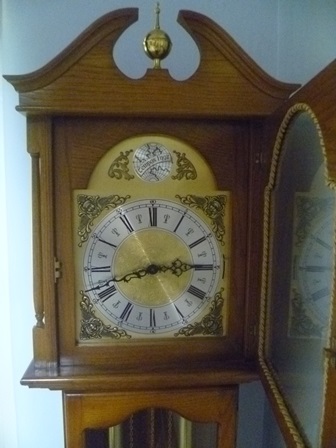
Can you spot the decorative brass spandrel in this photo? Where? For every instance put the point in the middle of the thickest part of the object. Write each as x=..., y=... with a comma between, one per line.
x=94, y=328
x=90, y=207
x=185, y=169
x=119, y=168
x=152, y=162
x=211, y=324
x=213, y=207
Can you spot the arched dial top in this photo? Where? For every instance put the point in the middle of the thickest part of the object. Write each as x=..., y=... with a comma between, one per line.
x=143, y=162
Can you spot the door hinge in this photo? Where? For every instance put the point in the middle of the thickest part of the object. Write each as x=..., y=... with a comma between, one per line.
x=57, y=269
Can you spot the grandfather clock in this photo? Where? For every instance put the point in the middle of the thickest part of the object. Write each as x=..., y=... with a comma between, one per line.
x=155, y=251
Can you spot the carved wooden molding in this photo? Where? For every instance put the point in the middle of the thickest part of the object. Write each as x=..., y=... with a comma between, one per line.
x=85, y=79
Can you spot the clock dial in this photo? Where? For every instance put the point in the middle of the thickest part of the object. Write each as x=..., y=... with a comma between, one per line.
x=152, y=266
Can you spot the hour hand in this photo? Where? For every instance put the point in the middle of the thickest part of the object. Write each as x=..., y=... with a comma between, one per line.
x=178, y=267
x=128, y=277
x=151, y=269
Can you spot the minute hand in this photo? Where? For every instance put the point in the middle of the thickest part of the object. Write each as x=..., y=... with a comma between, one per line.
x=177, y=268
x=124, y=278
x=151, y=269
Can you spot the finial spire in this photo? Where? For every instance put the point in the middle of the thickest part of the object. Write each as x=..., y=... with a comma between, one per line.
x=157, y=43
x=157, y=11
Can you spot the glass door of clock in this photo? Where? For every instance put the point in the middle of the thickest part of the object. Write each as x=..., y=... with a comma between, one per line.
x=298, y=279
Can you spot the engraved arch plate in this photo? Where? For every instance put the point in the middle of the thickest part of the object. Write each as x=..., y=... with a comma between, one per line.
x=141, y=161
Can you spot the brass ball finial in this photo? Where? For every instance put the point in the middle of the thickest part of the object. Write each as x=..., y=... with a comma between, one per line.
x=157, y=43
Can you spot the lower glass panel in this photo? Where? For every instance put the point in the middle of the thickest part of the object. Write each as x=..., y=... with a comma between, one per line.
x=154, y=428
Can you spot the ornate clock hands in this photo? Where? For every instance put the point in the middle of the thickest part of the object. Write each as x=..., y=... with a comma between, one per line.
x=125, y=278
x=177, y=268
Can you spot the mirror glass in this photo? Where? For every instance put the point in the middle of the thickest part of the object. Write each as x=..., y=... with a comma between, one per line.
x=300, y=273
x=153, y=428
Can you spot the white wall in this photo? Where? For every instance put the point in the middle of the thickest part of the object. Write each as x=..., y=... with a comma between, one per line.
x=307, y=38
x=287, y=38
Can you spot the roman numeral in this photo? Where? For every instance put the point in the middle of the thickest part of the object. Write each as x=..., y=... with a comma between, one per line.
x=152, y=318
x=196, y=243
x=196, y=292
x=152, y=216
x=127, y=223
x=204, y=267
x=101, y=269
x=127, y=311
x=179, y=312
x=107, y=293
x=106, y=242
x=179, y=223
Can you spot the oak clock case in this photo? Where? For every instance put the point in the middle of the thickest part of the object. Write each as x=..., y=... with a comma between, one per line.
x=73, y=140
x=147, y=228
x=153, y=261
